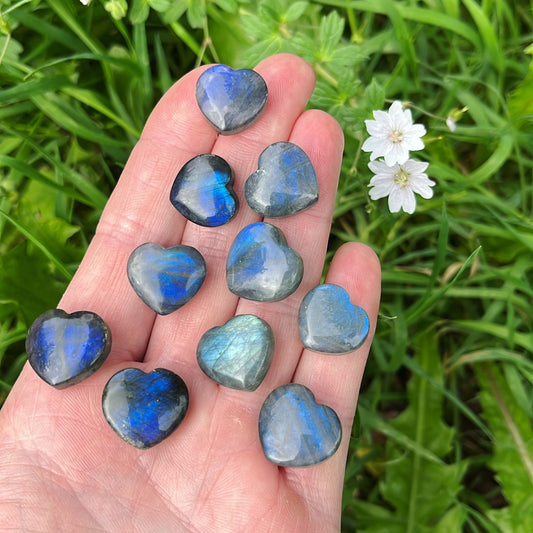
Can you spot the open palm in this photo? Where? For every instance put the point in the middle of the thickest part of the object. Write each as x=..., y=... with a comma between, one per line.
x=64, y=469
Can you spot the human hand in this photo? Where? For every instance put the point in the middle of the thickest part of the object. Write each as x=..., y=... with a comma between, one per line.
x=64, y=469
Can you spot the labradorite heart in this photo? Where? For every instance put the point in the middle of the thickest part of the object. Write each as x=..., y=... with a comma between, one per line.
x=284, y=183
x=145, y=408
x=165, y=279
x=64, y=348
x=295, y=430
x=261, y=266
x=231, y=100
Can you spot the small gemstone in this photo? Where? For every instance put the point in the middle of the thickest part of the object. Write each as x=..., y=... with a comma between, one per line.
x=237, y=354
x=295, y=430
x=145, y=408
x=231, y=100
x=285, y=182
x=328, y=321
x=165, y=279
x=261, y=266
x=65, y=349
x=203, y=191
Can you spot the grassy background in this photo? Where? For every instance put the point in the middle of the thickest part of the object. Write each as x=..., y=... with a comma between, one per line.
x=443, y=440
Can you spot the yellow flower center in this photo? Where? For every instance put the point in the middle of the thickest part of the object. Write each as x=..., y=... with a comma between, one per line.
x=401, y=178
x=395, y=136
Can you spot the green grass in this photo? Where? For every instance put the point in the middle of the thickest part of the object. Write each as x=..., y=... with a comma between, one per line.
x=443, y=439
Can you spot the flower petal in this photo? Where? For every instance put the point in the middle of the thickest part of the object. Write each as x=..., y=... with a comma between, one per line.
x=379, y=167
x=397, y=153
x=409, y=200
x=415, y=167
x=381, y=190
x=377, y=129
x=395, y=200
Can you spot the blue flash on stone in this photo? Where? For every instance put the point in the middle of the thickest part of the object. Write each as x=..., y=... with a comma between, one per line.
x=65, y=349
x=295, y=430
x=165, y=279
x=231, y=100
x=285, y=182
x=261, y=266
x=145, y=408
x=237, y=354
x=203, y=191
x=328, y=321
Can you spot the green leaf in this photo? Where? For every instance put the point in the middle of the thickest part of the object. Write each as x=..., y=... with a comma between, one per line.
x=27, y=282
x=375, y=95
x=330, y=33
x=512, y=457
x=412, y=481
x=521, y=99
x=139, y=11
x=294, y=11
x=230, y=6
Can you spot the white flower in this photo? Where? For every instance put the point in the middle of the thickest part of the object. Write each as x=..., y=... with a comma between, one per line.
x=85, y=2
x=450, y=122
x=400, y=183
x=393, y=134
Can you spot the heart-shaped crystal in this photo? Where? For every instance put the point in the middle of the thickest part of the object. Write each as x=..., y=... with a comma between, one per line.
x=145, y=408
x=237, y=354
x=295, y=430
x=165, y=279
x=284, y=183
x=329, y=322
x=261, y=266
x=203, y=191
x=231, y=100
x=64, y=349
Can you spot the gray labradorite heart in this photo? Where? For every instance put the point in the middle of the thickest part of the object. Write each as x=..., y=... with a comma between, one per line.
x=295, y=430
x=261, y=266
x=165, y=279
x=64, y=348
x=231, y=100
x=284, y=183
x=145, y=408
x=328, y=321
x=203, y=191
x=237, y=354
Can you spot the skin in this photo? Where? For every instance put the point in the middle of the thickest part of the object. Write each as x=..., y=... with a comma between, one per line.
x=61, y=465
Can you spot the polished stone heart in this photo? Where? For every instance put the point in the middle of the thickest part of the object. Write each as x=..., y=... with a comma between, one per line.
x=203, y=191
x=145, y=408
x=295, y=430
x=231, y=100
x=329, y=322
x=165, y=279
x=64, y=349
x=237, y=354
x=285, y=182
x=261, y=266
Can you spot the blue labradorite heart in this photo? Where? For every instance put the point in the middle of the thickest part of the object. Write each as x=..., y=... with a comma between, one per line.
x=231, y=100
x=329, y=322
x=237, y=354
x=261, y=266
x=145, y=408
x=203, y=191
x=295, y=430
x=285, y=182
x=165, y=279
x=64, y=349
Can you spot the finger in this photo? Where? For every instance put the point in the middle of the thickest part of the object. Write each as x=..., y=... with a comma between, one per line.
x=335, y=379
x=139, y=211
x=290, y=82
